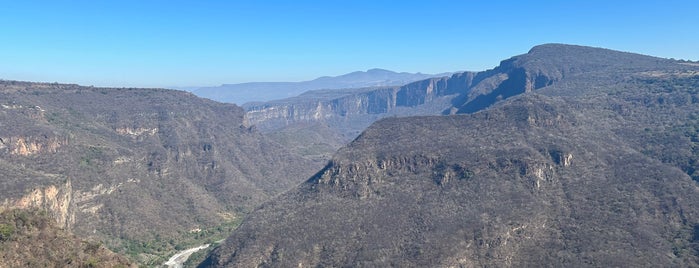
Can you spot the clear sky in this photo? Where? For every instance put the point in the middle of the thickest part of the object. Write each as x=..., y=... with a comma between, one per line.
x=149, y=43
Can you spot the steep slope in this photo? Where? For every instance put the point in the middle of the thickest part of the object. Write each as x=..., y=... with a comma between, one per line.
x=548, y=64
x=135, y=168
x=594, y=169
x=29, y=238
x=266, y=91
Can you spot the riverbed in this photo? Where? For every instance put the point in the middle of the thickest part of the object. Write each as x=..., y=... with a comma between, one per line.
x=178, y=260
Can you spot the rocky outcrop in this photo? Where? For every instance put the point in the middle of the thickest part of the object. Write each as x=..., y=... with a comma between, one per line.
x=138, y=131
x=89, y=201
x=31, y=145
x=57, y=200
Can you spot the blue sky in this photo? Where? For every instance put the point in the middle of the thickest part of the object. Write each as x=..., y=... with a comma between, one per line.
x=191, y=43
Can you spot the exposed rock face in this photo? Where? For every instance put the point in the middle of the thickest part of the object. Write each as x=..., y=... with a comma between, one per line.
x=327, y=105
x=125, y=165
x=26, y=146
x=136, y=131
x=579, y=172
x=57, y=200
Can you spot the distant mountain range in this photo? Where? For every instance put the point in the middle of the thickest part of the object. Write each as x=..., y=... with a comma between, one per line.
x=266, y=91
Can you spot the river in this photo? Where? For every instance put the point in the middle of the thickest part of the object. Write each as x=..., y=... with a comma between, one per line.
x=177, y=260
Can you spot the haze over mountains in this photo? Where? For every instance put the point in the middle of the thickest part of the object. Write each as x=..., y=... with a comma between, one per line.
x=266, y=91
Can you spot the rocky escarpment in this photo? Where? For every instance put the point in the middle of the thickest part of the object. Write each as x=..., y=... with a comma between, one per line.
x=343, y=105
x=360, y=172
x=596, y=169
x=25, y=146
x=56, y=200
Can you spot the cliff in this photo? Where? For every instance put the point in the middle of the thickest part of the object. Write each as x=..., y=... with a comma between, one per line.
x=57, y=200
x=338, y=105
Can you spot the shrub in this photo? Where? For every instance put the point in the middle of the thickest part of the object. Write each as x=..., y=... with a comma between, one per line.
x=6, y=231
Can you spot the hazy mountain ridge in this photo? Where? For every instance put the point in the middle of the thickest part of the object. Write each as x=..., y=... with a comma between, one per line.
x=266, y=91
x=594, y=168
x=328, y=105
x=340, y=105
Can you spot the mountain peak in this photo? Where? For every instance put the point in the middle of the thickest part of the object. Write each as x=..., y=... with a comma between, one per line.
x=559, y=46
x=586, y=54
x=563, y=58
x=379, y=70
